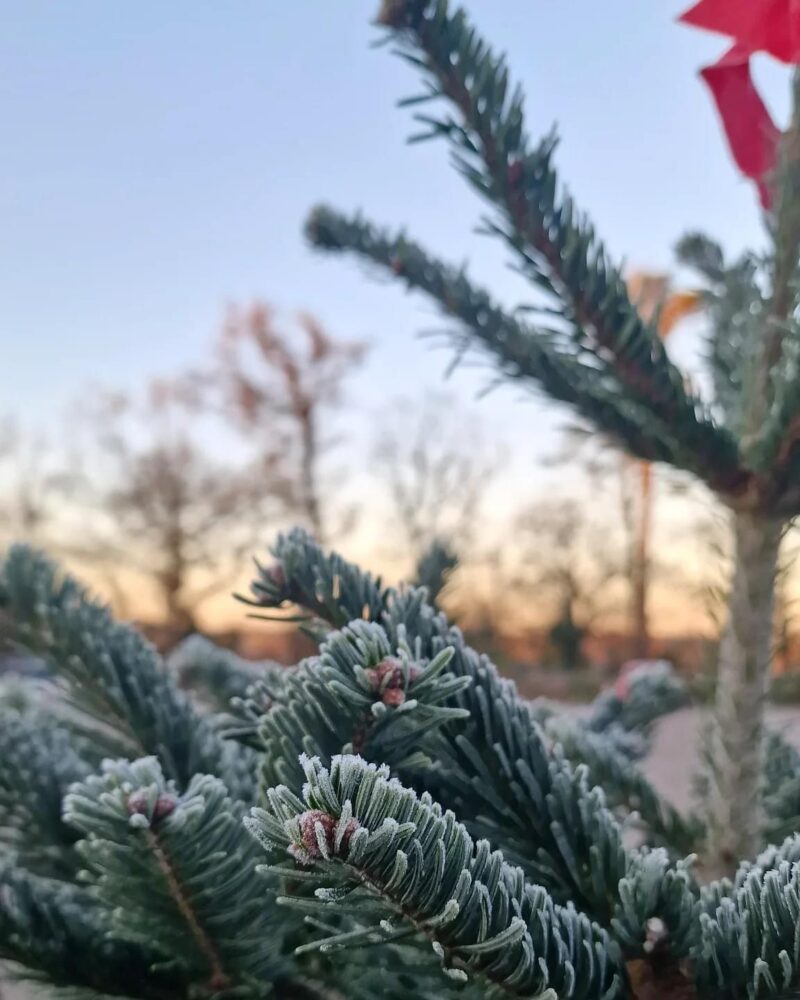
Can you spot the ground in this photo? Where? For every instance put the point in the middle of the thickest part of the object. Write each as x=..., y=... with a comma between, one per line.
x=671, y=765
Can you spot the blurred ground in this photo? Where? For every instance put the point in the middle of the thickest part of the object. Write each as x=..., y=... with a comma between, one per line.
x=670, y=767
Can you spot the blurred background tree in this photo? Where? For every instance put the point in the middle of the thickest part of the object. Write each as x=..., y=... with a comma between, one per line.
x=437, y=465
x=33, y=478
x=278, y=390
x=157, y=506
x=569, y=566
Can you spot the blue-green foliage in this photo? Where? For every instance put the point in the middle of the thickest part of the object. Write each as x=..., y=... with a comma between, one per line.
x=371, y=841
x=175, y=871
x=468, y=843
x=463, y=791
x=37, y=765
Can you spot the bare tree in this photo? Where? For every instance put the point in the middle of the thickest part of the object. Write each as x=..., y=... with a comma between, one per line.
x=278, y=390
x=437, y=466
x=637, y=487
x=571, y=565
x=657, y=300
x=163, y=509
x=32, y=480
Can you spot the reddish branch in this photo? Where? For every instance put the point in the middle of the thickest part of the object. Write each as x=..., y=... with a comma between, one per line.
x=218, y=979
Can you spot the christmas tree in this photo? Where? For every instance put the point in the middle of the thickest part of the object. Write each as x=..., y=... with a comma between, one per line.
x=588, y=346
x=390, y=818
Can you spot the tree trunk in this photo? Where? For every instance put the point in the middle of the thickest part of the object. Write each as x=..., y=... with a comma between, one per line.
x=308, y=475
x=745, y=658
x=641, y=562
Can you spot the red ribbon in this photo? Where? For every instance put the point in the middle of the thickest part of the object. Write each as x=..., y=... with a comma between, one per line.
x=752, y=135
x=771, y=26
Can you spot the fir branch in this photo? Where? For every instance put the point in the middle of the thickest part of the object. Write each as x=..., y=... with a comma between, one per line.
x=740, y=310
x=434, y=568
x=749, y=946
x=781, y=787
x=321, y=585
x=58, y=932
x=501, y=772
x=494, y=765
x=37, y=764
x=773, y=375
x=771, y=858
x=648, y=693
x=361, y=694
x=210, y=672
x=556, y=243
x=242, y=690
x=244, y=720
x=112, y=673
x=735, y=303
x=625, y=787
x=521, y=351
x=628, y=714
x=770, y=437
x=371, y=837
x=177, y=869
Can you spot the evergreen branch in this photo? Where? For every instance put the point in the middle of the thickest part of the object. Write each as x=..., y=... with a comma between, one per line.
x=781, y=787
x=434, y=568
x=44, y=703
x=625, y=787
x=646, y=696
x=774, y=451
x=218, y=675
x=178, y=869
x=770, y=858
x=244, y=721
x=112, y=672
x=363, y=695
x=776, y=409
x=734, y=300
x=375, y=839
x=495, y=766
x=755, y=343
x=37, y=764
x=322, y=585
x=704, y=255
x=557, y=245
x=58, y=932
x=520, y=350
x=749, y=946
x=242, y=690
x=501, y=773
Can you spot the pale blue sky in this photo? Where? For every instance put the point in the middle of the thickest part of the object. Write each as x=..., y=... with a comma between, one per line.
x=159, y=159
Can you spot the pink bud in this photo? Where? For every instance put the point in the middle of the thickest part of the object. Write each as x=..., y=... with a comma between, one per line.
x=276, y=574
x=308, y=849
x=515, y=173
x=165, y=804
x=137, y=803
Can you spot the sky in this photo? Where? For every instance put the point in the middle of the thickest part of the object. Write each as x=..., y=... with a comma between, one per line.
x=159, y=161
